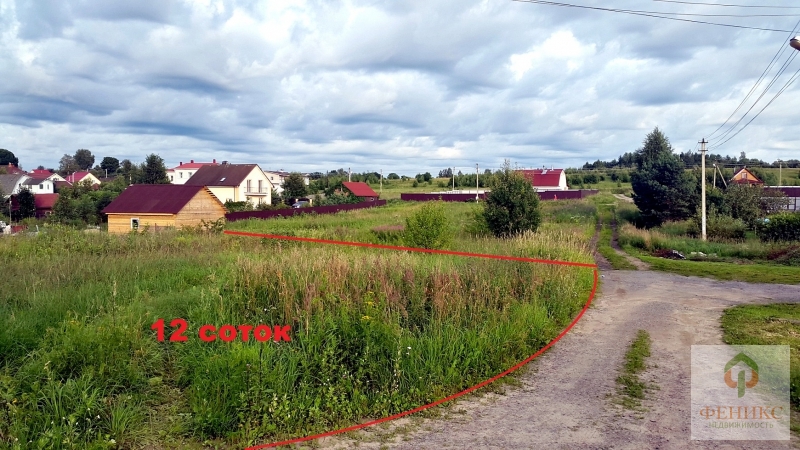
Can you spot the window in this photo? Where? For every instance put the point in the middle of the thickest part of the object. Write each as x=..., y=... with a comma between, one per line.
x=744, y=176
x=248, y=186
x=180, y=174
x=41, y=186
x=260, y=186
x=135, y=224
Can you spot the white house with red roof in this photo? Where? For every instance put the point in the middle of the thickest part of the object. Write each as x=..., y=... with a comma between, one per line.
x=183, y=171
x=80, y=177
x=45, y=174
x=546, y=179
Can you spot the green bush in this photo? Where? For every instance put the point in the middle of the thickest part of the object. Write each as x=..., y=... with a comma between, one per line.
x=719, y=227
x=428, y=227
x=512, y=207
x=780, y=227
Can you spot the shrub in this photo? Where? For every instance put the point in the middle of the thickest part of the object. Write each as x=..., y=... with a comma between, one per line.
x=512, y=207
x=780, y=227
x=232, y=206
x=719, y=227
x=428, y=227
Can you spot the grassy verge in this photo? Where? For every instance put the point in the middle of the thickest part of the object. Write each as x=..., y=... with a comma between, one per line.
x=373, y=332
x=631, y=388
x=606, y=214
x=768, y=325
x=751, y=273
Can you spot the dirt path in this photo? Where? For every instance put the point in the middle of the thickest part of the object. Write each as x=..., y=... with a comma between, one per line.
x=563, y=400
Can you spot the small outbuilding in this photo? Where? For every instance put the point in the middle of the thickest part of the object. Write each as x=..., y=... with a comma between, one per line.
x=162, y=205
x=546, y=179
x=744, y=176
x=361, y=189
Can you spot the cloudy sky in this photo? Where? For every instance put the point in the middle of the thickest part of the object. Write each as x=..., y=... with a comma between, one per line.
x=405, y=86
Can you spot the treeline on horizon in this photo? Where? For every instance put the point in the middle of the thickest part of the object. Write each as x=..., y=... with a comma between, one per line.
x=693, y=159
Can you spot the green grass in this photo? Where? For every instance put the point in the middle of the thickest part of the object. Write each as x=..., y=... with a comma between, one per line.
x=631, y=388
x=768, y=325
x=374, y=332
x=618, y=262
x=751, y=273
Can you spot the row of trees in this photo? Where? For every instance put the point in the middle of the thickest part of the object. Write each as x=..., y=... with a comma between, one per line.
x=693, y=159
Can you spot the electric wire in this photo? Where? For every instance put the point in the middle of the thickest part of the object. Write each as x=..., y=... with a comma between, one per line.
x=766, y=89
x=727, y=5
x=785, y=86
x=758, y=82
x=647, y=14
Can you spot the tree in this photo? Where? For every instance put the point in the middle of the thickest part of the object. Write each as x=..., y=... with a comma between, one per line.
x=662, y=189
x=393, y=176
x=110, y=165
x=27, y=204
x=428, y=227
x=67, y=165
x=294, y=186
x=154, y=171
x=84, y=159
x=6, y=158
x=512, y=206
x=752, y=203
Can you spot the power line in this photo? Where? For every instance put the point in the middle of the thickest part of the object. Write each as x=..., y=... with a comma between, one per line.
x=647, y=14
x=766, y=89
x=727, y=5
x=758, y=82
x=785, y=86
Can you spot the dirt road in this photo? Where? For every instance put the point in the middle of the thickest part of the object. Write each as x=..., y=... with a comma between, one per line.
x=566, y=397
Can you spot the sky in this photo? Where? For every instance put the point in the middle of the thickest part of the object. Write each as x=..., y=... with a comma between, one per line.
x=403, y=86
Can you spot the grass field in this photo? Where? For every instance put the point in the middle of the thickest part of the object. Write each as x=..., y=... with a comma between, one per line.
x=373, y=332
x=769, y=325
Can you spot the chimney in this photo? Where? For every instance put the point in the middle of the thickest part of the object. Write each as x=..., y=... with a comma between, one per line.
x=181, y=163
x=191, y=161
x=224, y=163
x=215, y=160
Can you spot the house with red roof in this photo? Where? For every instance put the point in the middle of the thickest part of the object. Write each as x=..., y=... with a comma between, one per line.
x=11, y=169
x=81, y=177
x=154, y=206
x=361, y=189
x=181, y=173
x=44, y=204
x=546, y=179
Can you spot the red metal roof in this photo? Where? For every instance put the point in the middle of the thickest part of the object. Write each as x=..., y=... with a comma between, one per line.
x=77, y=177
x=40, y=172
x=12, y=169
x=194, y=165
x=45, y=201
x=543, y=177
x=153, y=199
x=360, y=189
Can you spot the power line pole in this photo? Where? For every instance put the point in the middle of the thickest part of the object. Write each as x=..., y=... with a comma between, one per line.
x=453, y=174
x=477, y=183
x=703, y=143
x=381, y=181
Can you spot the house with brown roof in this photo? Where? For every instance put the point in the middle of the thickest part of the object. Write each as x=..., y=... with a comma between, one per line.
x=11, y=169
x=234, y=182
x=546, y=179
x=744, y=176
x=44, y=204
x=154, y=206
x=39, y=185
x=10, y=184
x=183, y=171
x=361, y=189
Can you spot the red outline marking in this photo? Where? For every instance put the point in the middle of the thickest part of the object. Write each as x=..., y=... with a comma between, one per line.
x=413, y=249
x=453, y=396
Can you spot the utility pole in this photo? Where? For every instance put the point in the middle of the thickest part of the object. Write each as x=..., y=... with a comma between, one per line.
x=780, y=173
x=715, y=175
x=454, y=178
x=703, y=143
x=381, y=181
x=477, y=183
x=349, y=173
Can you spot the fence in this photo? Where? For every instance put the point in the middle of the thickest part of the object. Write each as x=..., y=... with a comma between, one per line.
x=543, y=195
x=333, y=209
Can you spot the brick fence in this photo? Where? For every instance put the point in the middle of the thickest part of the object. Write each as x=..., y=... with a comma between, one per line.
x=243, y=215
x=543, y=195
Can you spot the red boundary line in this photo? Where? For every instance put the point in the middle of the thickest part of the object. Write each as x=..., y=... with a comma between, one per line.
x=453, y=396
x=413, y=249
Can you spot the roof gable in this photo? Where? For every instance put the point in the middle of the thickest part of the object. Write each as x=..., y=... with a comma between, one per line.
x=744, y=176
x=359, y=189
x=222, y=175
x=543, y=177
x=154, y=199
x=8, y=182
